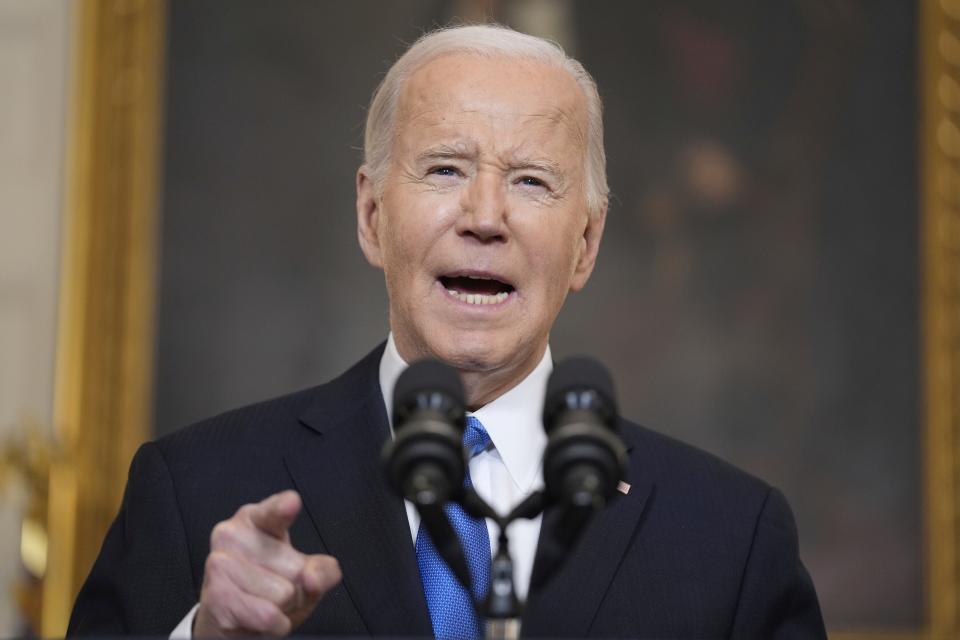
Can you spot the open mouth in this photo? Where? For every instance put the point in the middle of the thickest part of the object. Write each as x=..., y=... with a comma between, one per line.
x=476, y=288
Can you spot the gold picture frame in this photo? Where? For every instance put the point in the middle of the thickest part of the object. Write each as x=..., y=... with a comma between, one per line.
x=940, y=313
x=104, y=363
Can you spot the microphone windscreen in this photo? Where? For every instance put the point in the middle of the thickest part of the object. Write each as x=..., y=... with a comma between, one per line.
x=427, y=376
x=570, y=385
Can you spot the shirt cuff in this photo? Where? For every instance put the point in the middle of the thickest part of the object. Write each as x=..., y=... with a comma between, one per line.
x=184, y=630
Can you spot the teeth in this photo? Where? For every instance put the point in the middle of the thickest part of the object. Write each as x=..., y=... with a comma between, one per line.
x=478, y=298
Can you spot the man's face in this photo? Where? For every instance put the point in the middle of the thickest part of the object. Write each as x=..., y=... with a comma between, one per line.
x=481, y=227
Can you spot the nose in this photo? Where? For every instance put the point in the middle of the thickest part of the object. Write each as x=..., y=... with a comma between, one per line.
x=484, y=208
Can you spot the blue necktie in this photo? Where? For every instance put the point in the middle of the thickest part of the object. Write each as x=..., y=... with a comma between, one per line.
x=451, y=610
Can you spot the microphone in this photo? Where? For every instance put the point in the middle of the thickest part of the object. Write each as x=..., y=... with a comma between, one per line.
x=584, y=459
x=425, y=462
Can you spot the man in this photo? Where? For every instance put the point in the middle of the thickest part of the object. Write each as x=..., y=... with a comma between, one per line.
x=483, y=198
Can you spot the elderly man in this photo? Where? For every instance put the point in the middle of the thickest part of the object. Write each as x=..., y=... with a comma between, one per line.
x=482, y=197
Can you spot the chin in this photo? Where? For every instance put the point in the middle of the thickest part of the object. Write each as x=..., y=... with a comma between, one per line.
x=472, y=353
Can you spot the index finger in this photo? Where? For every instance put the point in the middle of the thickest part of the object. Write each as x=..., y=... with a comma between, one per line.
x=275, y=514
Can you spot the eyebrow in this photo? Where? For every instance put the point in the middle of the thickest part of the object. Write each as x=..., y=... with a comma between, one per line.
x=547, y=166
x=448, y=151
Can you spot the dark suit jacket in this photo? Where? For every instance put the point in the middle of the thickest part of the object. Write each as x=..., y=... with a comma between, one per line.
x=697, y=549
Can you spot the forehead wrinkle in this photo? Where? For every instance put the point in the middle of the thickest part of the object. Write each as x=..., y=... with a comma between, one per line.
x=439, y=109
x=576, y=125
x=516, y=155
x=562, y=117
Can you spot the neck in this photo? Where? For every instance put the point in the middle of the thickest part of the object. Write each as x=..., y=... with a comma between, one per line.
x=483, y=387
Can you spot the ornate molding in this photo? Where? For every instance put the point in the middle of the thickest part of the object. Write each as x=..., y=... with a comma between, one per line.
x=940, y=272
x=104, y=350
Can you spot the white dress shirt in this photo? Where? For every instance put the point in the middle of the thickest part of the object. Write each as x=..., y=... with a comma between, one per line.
x=503, y=475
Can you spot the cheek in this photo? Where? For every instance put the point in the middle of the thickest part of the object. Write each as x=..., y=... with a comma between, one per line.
x=410, y=233
x=395, y=232
x=558, y=261
x=397, y=255
x=559, y=253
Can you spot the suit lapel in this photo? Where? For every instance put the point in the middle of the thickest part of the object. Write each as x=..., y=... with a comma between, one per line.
x=567, y=604
x=358, y=517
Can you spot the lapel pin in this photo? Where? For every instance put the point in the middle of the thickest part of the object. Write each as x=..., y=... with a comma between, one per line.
x=623, y=487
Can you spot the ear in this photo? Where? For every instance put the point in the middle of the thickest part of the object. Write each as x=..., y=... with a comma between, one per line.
x=368, y=218
x=589, y=248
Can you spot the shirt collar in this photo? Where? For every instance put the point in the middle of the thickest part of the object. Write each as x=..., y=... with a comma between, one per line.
x=513, y=420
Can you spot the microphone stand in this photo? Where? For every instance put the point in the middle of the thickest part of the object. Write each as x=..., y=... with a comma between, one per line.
x=502, y=607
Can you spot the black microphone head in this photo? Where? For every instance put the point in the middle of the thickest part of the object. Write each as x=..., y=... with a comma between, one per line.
x=428, y=384
x=585, y=457
x=425, y=462
x=580, y=383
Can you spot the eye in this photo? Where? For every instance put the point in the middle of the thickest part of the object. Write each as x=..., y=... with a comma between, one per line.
x=530, y=181
x=444, y=170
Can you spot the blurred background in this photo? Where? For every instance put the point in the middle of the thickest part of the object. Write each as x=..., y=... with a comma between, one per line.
x=778, y=283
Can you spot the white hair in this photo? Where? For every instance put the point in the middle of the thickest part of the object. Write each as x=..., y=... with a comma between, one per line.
x=486, y=40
